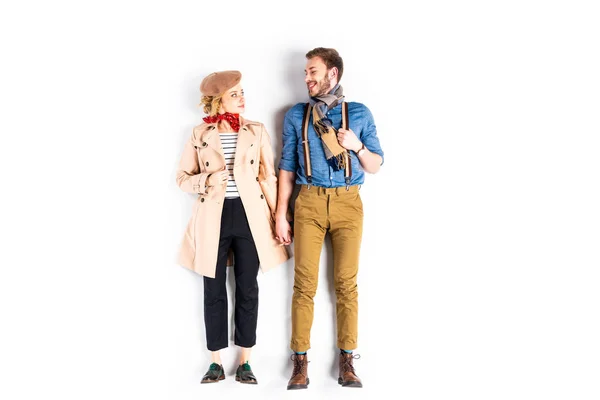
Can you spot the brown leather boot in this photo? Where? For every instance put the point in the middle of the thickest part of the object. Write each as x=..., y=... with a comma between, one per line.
x=348, y=377
x=299, y=379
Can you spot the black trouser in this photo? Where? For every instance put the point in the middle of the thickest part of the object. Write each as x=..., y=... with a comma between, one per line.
x=235, y=234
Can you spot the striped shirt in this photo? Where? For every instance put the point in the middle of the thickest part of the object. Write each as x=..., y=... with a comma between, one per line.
x=229, y=143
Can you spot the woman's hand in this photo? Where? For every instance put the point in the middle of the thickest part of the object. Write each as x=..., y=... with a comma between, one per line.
x=218, y=178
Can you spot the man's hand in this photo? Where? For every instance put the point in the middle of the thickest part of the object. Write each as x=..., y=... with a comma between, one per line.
x=283, y=230
x=348, y=140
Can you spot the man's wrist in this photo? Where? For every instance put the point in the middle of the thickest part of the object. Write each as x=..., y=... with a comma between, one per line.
x=360, y=149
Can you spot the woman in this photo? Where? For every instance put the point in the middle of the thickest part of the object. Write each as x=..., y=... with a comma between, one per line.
x=228, y=162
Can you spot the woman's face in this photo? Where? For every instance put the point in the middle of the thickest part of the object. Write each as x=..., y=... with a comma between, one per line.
x=233, y=101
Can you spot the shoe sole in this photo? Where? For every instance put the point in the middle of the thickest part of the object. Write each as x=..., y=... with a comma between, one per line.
x=248, y=382
x=349, y=384
x=298, y=386
x=213, y=381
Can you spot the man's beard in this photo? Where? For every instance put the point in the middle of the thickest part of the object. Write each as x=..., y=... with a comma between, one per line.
x=324, y=87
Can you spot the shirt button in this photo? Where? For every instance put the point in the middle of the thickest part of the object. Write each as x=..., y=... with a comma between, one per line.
x=251, y=161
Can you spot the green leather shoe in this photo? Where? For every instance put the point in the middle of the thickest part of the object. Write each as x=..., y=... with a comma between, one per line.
x=244, y=374
x=214, y=374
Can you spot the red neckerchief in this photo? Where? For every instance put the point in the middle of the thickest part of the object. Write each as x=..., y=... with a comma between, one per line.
x=233, y=119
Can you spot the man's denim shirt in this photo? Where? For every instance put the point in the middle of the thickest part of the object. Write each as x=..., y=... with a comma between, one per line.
x=292, y=158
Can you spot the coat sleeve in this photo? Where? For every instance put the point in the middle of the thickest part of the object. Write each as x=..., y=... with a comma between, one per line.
x=266, y=171
x=189, y=178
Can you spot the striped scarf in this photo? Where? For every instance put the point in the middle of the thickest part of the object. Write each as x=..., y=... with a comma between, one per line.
x=336, y=155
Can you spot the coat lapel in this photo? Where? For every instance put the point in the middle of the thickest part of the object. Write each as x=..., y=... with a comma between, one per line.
x=247, y=139
x=209, y=138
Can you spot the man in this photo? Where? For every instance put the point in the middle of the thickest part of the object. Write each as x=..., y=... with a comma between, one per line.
x=329, y=161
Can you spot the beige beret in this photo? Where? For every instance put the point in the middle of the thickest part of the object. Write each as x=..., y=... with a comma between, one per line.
x=217, y=83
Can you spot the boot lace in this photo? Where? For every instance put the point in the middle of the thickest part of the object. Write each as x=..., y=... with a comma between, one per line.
x=297, y=365
x=347, y=362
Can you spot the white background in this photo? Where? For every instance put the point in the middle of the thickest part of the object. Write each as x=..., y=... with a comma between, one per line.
x=479, y=268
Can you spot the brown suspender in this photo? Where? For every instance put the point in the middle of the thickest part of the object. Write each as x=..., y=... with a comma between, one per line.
x=348, y=169
x=307, y=166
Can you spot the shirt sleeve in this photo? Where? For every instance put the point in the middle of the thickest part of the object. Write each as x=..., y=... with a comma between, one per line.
x=289, y=152
x=369, y=135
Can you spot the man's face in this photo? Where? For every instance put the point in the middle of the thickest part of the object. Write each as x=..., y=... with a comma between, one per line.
x=317, y=77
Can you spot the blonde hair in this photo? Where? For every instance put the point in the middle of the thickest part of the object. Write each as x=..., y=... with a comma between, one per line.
x=211, y=104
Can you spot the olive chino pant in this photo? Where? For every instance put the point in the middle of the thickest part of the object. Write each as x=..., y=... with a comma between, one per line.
x=319, y=211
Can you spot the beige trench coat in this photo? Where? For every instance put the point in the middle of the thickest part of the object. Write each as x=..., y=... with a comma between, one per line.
x=257, y=185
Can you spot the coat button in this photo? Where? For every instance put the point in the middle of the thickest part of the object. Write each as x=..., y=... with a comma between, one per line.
x=262, y=196
x=207, y=163
x=257, y=179
x=251, y=161
x=202, y=200
x=203, y=144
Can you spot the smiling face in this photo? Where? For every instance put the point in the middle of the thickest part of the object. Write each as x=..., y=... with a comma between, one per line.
x=319, y=80
x=233, y=100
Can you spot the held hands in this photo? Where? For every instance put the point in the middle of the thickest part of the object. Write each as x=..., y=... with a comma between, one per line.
x=218, y=178
x=283, y=230
x=348, y=140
